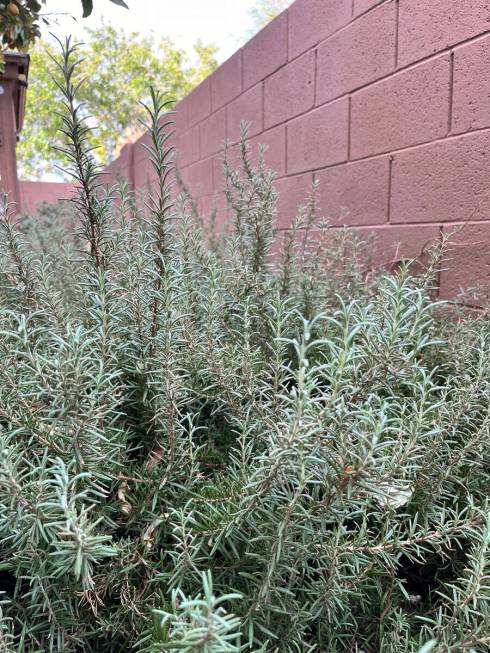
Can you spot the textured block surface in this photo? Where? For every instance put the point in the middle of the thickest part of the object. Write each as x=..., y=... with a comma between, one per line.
x=310, y=21
x=247, y=108
x=293, y=193
x=357, y=55
x=471, y=86
x=429, y=26
x=468, y=264
x=409, y=108
x=199, y=177
x=143, y=173
x=212, y=133
x=355, y=193
x=188, y=146
x=443, y=182
x=275, y=142
x=33, y=193
x=198, y=103
x=266, y=52
x=319, y=138
x=226, y=81
x=361, y=6
x=290, y=91
x=391, y=245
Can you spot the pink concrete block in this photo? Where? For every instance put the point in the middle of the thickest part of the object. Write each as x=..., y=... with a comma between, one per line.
x=311, y=21
x=319, y=138
x=199, y=178
x=169, y=120
x=215, y=204
x=361, y=6
x=290, y=91
x=248, y=108
x=467, y=263
x=173, y=143
x=188, y=148
x=226, y=81
x=471, y=86
x=180, y=116
x=218, y=172
x=442, y=182
x=392, y=245
x=408, y=108
x=33, y=193
x=275, y=154
x=139, y=145
x=266, y=52
x=428, y=27
x=357, y=55
x=198, y=103
x=144, y=161
x=355, y=193
x=293, y=193
x=212, y=133
x=126, y=155
x=143, y=174
x=122, y=166
x=140, y=155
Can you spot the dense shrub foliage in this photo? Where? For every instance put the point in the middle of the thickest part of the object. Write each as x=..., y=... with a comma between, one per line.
x=209, y=446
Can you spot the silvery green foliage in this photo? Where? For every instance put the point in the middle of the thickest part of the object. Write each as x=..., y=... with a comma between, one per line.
x=218, y=448
x=199, y=623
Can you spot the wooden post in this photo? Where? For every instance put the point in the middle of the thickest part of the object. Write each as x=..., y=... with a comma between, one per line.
x=13, y=83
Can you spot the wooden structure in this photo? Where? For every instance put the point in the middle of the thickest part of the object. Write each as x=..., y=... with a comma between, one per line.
x=13, y=85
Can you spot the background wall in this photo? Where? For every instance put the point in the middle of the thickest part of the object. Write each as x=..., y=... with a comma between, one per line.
x=385, y=102
x=34, y=192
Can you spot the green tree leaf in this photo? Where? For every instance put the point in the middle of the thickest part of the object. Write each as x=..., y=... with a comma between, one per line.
x=118, y=68
x=88, y=6
x=19, y=22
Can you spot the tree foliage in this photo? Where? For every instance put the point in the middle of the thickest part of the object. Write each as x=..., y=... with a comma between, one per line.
x=118, y=67
x=214, y=449
x=19, y=21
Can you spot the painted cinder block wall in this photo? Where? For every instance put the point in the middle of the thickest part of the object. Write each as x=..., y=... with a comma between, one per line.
x=32, y=193
x=386, y=103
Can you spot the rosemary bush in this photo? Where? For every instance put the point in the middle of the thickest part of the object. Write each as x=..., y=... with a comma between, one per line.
x=207, y=447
